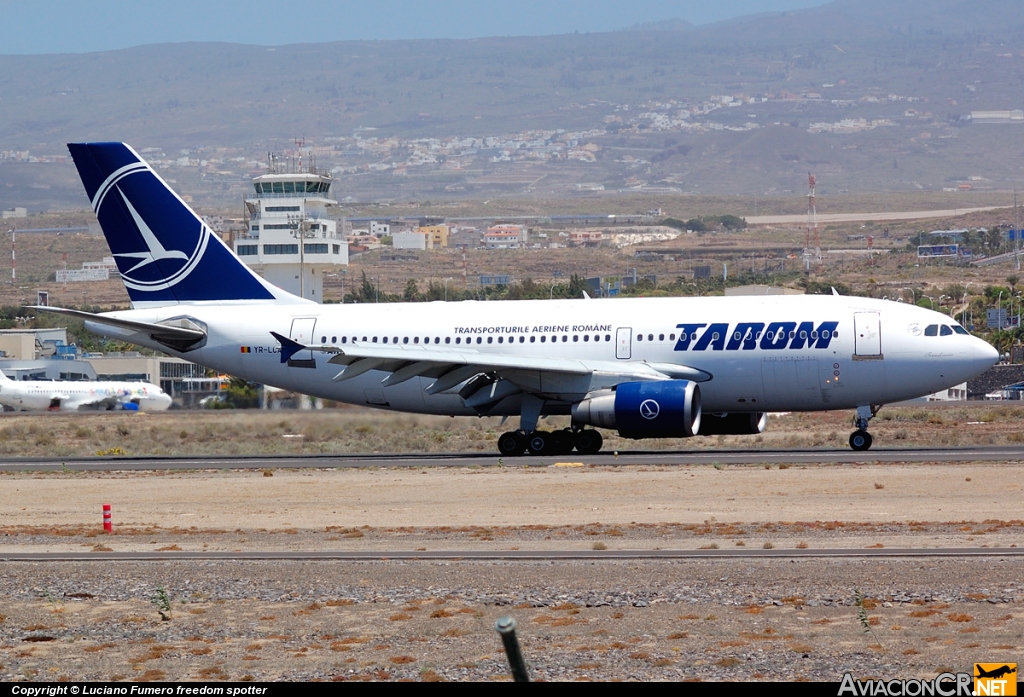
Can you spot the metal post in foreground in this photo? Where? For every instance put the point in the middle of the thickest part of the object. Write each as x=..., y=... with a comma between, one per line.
x=506, y=626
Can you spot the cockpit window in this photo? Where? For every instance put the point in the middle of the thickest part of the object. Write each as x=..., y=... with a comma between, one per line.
x=960, y=330
x=946, y=330
x=931, y=330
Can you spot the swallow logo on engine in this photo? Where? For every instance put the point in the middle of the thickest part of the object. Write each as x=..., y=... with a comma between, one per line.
x=649, y=409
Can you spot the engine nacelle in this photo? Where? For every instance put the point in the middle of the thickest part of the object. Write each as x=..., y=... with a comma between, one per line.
x=661, y=409
x=733, y=424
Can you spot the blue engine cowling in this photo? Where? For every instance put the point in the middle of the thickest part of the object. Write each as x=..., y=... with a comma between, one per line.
x=661, y=409
x=130, y=406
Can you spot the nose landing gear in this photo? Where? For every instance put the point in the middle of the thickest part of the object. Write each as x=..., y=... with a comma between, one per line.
x=861, y=439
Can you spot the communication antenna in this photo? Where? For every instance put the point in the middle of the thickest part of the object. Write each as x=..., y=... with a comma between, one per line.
x=13, y=259
x=299, y=142
x=1016, y=235
x=812, y=242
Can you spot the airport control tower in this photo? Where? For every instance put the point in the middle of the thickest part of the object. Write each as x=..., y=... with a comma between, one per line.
x=290, y=239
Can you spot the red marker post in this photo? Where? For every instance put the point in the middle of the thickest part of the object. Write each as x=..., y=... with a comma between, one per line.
x=107, y=525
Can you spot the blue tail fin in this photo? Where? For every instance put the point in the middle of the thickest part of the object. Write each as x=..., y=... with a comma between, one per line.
x=164, y=251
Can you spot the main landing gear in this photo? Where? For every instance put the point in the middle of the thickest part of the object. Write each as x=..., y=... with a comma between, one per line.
x=861, y=439
x=585, y=441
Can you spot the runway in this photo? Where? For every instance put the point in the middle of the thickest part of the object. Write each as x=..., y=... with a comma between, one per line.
x=413, y=460
x=513, y=555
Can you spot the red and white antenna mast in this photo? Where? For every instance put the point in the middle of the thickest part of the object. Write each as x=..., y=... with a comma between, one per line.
x=812, y=243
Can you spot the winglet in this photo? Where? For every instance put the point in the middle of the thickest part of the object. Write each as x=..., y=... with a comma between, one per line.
x=834, y=291
x=586, y=295
x=288, y=347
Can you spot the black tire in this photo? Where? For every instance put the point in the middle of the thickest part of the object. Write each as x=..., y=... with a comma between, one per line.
x=512, y=444
x=860, y=440
x=539, y=443
x=589, y=442
x=562, y=442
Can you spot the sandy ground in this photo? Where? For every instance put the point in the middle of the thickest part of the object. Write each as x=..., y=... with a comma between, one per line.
x=737, y=619
x=558, y=495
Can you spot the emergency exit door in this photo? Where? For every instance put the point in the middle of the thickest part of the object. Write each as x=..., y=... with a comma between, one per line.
x=302, y=332
x=624, y=342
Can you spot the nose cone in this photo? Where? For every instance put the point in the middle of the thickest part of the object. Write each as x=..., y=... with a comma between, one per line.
x=985, y=356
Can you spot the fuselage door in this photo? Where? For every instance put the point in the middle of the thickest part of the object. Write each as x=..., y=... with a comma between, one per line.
x=867, y=336
x=624, y=342
x=302, y=332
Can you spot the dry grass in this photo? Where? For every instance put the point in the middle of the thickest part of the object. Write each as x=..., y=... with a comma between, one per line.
x=357, y=429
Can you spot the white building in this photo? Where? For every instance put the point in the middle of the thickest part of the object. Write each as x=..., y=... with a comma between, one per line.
x=379, y=229
x=16, y=212
x=286, y=210
x=409, y=240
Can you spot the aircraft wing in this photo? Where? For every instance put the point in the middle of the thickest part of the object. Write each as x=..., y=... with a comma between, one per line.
x=452, y=367
x=100, y=401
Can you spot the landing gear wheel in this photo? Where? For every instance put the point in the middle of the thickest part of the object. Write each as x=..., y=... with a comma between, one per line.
x=512, y=444
x=860, y=440
x=539, y=443
x=588, y=442
x=562, y=442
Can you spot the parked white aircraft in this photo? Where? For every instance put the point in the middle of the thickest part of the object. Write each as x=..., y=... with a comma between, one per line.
x=63, y=395
x=649, y=368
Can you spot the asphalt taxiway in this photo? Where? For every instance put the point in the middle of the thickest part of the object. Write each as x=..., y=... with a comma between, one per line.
x=604, y=459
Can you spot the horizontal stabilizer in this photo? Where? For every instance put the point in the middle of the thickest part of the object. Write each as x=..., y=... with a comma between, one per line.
x=179, y=338
x=289, y=347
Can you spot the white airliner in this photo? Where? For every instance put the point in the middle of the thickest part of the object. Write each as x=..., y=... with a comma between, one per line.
x=648, y=368
x=61, y=395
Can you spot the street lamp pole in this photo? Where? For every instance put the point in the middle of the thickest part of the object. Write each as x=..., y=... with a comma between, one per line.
x=446, y=288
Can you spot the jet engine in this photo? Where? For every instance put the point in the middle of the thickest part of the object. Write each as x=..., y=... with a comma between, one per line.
x=662, y=409
x=748, y=424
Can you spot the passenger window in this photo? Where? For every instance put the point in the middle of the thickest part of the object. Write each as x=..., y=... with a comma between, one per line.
x=931, y=330
x=522, y=340
x=607, y=337
x=479, y=340
x=415, y=340
x=543, y=339
x=447, y=340
x=661, y=337
x=323, y=340
x=565, y=338
x=385, y=340
x=533, y=339
x=946, y=330
x=586, y=337
x=639, y=337
x=458, y=340
x=650, y=337
x=334, y=339
x=490, y=340
x=575, y=337
x=405, y=340
x=501, y=340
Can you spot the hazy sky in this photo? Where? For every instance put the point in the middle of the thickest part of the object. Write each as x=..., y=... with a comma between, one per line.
x=60, y=26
